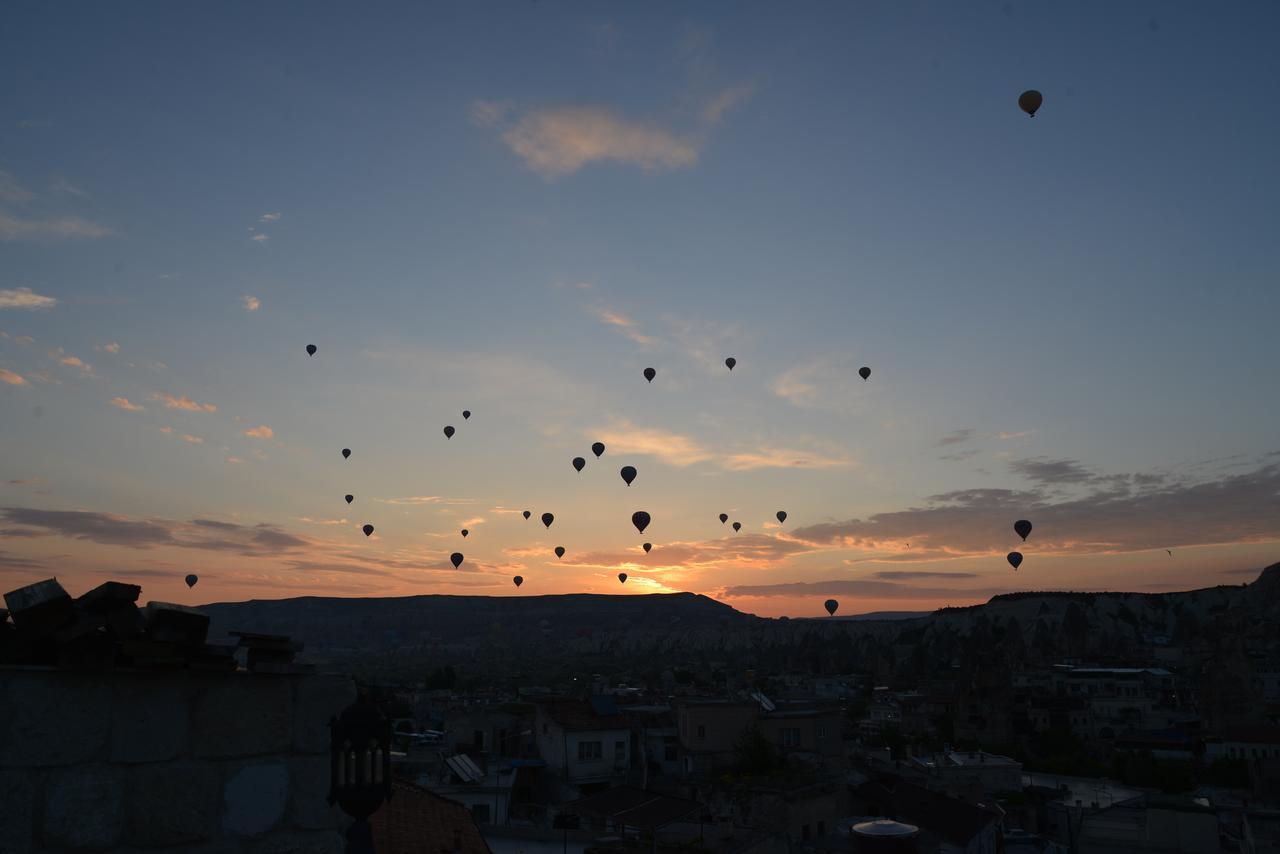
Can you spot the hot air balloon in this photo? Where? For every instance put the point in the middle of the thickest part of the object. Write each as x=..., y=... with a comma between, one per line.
x=448, y=432
x=527, y=514
x=737, y=526
x=547, y=519
x=647, y=547
x=346, y=452
x=456, y=559
x=1030, y=101
x=1023, y=528
x=865, y=373
x=192, y=579
x=368, y=530
x=311, y=349
x=466, y=413
x=559, y=551
x=622, y=577
x=519, y=579
x=579, y=463
x=628, y=474
x=730, y=362
x=831, y=605
x=597, y=448
x=464, y=533
x=1015, y=559
x=782, y=516
x=724, y=517
x=649, y=374
x=349, y=498
x=640, y=519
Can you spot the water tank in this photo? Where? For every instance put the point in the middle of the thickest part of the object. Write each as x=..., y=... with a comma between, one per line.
x=883, y=836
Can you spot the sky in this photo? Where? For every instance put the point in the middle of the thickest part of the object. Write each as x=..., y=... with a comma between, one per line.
x=515, y=208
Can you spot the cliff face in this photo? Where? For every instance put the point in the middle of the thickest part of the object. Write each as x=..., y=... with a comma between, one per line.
x=525, y=635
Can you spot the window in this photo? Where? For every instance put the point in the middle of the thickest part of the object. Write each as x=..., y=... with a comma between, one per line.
x=619, y=751
x=588, y=750
x=790, y=737
x=822, y=828
x=804, y=833
x=822, y=733
x=702, y=732
x=669, y=750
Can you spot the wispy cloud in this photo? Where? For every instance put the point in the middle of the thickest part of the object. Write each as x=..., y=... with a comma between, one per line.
x=123, y=403
x=250, y=303
x=426, y=499
x=955, y=437
x=1052, y=472
x=118, y=530
x=194, y=440
x=12, y=191
x=64, y=358
x=15, y=228
x=25, y=298
x=10, y=378
x=260, y=432
x=725, y=101
x=112, y=347
x=672, y=448
x=269, y=217
x=259, y=238
x=770, y=457
x=183, y=402
x=623, y=324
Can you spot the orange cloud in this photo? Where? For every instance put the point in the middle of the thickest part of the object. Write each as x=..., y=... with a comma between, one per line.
x=260, y=432
x=10, y=378
x=123, y=403
x=183, y=402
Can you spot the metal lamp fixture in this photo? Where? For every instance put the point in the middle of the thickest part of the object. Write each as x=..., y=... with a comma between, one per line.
x=360, y=767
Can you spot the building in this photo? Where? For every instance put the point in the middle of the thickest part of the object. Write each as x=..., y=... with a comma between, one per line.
x=973, y=769
x=587, y=743
x=416, y=821
x=708, y=730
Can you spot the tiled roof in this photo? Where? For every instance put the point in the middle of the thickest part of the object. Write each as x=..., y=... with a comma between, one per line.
x=635, y=807
x=416, y=821
x=578, y=715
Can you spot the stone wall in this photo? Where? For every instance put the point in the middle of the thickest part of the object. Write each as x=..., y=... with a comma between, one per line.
x=206, y=763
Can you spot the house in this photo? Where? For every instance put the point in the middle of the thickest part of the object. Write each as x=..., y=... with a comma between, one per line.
x=1151, y=823
x=708, y=730
x=1252, y=743
x=588, y=743
x=416, y=821
x=803, y=731
x=954, y=770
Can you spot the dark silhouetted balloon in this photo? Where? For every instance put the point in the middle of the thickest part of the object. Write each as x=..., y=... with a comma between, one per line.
x=1015, y=559
x=448, y=432
x=730, y=362
x=346, y=452
x=311, y=349
x=547, y=519
x=782, y=516
x=464, y=533
x=192, y=579
x=1030, y=101
x=579, y=463
x=456, y=559
x=737, y=526
x=349, y=498
x=466, y=413
x=649, y=374
x=368, y=530
x=831, y=605
x=1023, y=528
x=628, y=474
x=647, y=547
x=724, y=517
x=597, y=448
x=865, y=373
x=622, y=576
x=519, y=579
x=527, y=514
x=559, y=551
x=640, y=519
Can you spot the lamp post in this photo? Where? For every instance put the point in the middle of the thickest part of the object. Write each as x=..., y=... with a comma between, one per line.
x=360, y=767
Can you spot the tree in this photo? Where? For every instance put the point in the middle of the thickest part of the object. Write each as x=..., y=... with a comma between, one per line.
x=754, y=754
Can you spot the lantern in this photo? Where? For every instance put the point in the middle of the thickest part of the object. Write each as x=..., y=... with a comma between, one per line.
x=360, y=767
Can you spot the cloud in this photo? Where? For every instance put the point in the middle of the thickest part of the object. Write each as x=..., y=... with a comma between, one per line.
x=194, y=440
x=117, y=530
x=112, y=348
x=1006, y=436
x=24, y=298
x=260, y=432
x=672, y=448
x=489, y=113
x=259, y=238
x=1052, y=472
x=183, y=402
x=166, y=429
x=269, y=217
x=1113, y=517
x=955, y=437
x=722, y=103
x=754, y=551
x=624, y=324
x=426, y=499
x=123, y=403
x=10, y=378
x=907, y=575
x=13, y=228
x=13, y=192
x=859, y=588
x=64, y=358
x=234, y=460
x=250, y=303
x=769, y=457
x=957, y=456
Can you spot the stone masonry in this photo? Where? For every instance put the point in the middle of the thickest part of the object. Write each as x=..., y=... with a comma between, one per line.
x=205, y=763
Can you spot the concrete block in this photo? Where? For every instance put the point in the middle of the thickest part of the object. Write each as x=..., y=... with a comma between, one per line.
x=298, y=842
x=150, y=718
x=242, y=714
x=254, y=798
x=308, y=790
x=55, y=719
x=318, y=698
x=17, y=811
x=173, y=803
x=83, y=806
